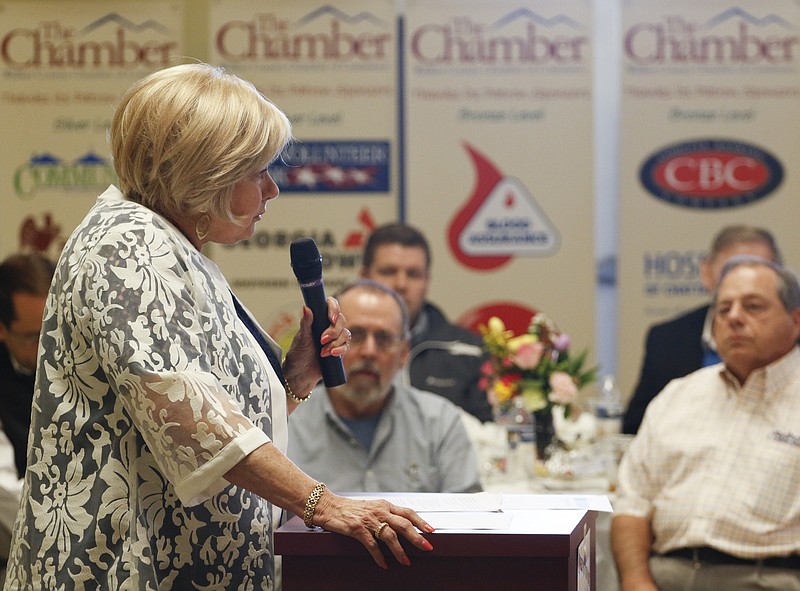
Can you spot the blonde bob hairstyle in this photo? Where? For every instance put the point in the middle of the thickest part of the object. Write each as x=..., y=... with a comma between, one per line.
x=182, y=137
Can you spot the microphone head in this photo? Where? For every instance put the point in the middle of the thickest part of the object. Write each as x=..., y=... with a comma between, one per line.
x=306, y=260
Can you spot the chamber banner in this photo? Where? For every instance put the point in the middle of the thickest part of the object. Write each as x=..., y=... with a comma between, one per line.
x=62, y=72
x=498, y=157
x=710, y=135
x=332, y=68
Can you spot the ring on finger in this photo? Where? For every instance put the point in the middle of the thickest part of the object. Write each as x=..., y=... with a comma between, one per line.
x=377, y=533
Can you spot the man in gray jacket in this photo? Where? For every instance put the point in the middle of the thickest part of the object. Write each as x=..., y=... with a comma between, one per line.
x=445, y=358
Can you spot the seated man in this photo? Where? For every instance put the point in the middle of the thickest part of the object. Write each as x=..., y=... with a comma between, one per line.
x=709, y=489
x=373, y=433
x=683, y=344
x=24, y=283
x=445, y=358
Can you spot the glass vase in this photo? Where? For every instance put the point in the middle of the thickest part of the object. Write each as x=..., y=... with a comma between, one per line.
x=545, y=433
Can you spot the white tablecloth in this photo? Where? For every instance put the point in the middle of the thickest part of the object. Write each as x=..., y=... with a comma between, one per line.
x=513, y=471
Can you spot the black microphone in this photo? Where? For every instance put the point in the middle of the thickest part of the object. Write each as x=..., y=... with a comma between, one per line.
x=307, y=267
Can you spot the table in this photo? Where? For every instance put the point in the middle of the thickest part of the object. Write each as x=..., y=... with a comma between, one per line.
x=519, y=477
x=540, y=551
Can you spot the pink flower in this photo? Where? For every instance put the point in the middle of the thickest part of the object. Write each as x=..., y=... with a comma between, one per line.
x=561, y=342
x=564, y=389
x=528, y=355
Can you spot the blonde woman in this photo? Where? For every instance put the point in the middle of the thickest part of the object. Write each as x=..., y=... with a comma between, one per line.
x=158, y=433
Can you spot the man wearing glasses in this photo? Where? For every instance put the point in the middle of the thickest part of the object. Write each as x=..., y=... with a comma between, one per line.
x=374, y=433
x=24, y=282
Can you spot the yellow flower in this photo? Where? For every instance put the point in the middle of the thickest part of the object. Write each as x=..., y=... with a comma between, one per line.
x=496, y=330
x=505, y=388
x=496, y=326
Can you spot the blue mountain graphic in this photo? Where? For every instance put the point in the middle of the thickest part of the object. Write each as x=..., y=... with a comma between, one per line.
x=770, y=19
x=90, y=158
x=342, y=16
x=125, y=23
x=527, y=14
x=48, y=159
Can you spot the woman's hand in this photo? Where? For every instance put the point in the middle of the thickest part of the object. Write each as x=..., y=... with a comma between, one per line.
x=270, y=474
x=363, y=520
x=336, y=338
x=301, y=367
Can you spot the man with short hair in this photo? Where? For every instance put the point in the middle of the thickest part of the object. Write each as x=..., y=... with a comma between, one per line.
x=709, y=489
x=683, y=344
x=374, y=433
x=24, y=283
x=445, y=358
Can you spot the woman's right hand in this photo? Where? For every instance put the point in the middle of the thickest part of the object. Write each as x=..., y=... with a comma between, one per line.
x=361, y=519
x=301, y=366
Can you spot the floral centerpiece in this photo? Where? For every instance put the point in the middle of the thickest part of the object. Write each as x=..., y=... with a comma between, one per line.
x=535, y=369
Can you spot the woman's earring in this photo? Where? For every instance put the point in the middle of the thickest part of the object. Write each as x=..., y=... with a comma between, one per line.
x=202, y=227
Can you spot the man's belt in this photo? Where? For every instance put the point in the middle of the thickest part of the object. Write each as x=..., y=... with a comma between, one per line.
x=704, y=554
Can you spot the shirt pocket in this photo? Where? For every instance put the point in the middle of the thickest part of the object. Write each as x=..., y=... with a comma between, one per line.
x=775, y=498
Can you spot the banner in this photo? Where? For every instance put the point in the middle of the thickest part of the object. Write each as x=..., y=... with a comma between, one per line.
x=62, y=72
x=332, y=68
x=710, y=137
x=498, y=157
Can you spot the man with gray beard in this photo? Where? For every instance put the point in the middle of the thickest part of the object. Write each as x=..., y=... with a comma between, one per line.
x=374, y=433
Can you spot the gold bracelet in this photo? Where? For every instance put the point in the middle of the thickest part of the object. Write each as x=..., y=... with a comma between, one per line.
x=311, y=504
x=294, y=396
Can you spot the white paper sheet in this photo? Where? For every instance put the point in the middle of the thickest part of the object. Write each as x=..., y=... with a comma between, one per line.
x=557, y=501
x=490, y=502
x=447, y=520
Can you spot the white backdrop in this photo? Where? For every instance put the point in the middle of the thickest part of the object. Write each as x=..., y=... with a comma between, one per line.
x=605, y=31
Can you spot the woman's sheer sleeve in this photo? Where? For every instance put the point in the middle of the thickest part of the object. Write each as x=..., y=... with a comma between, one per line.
x=169, y=352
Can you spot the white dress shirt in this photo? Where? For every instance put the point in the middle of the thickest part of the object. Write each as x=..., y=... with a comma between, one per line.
x=10, y=484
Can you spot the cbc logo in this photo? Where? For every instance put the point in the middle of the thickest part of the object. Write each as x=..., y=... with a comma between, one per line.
x=711, y=174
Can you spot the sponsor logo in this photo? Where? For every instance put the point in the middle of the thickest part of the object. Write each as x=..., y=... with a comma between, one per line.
x=326, y=34
x=111, y=41
x=341, y=254
x=341, y=259
x=673, y=273
x=733, y=37
x=333, y=167
x=521, y=37
x=47, y=173
x=500, y=220
x=711, y=173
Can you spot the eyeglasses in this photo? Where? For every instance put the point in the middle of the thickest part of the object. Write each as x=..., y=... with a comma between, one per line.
x=384, y=340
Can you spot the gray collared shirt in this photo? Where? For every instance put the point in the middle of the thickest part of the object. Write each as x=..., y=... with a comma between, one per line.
x=420, y=445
